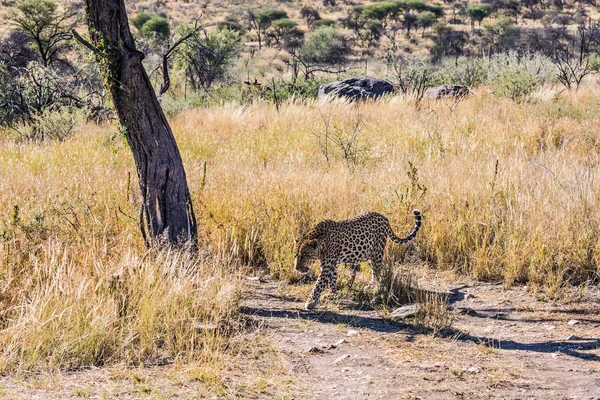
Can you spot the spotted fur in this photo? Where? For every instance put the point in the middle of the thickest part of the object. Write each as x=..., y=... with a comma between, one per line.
x=351, y=241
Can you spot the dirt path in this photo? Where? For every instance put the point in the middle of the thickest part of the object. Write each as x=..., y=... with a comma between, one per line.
x=508, y=346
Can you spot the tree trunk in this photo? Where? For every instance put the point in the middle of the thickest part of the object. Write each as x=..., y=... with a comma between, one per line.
x=167, y=212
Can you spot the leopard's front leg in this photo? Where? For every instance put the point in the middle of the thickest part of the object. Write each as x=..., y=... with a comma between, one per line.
x=326, y=278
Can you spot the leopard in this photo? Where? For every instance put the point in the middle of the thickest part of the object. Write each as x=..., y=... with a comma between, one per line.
x=358, y=239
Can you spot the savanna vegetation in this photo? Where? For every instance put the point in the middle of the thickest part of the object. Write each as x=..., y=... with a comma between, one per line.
x=506, y=178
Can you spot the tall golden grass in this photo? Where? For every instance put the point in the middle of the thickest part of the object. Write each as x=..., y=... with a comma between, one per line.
x=508, y=191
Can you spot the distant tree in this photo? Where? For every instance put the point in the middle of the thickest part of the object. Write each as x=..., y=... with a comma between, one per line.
x=448, y=42
x=282, y=27
x=293, y=40
x=477, y=12
x=310, y=15
x=388, y=15
x=425, y=20
x=513, y=8
x=262, y=20
x=367, y=30
x=562, y=19
x=16, y=52
x=386, y=12
x=500, y=36
x=232, y=25
x=409, y=20
x=458, y=7
x=417, y=5
x=325, y=50
x=574, y=60
x=47, y=26
x=206, y=56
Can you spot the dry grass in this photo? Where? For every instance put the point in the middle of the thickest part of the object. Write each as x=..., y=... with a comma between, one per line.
x=508, y=192
x=77, y=289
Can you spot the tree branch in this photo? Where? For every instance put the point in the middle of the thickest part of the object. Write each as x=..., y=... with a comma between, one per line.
x=84, y=42
x=166, y=79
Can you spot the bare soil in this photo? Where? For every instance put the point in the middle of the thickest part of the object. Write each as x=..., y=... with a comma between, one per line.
x=504, y=344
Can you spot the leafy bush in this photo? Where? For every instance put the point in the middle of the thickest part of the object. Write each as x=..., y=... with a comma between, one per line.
x=323, y=23
x=266, y=17
x=139, y=20
x=515, y=83
x=156, y=26
x=326, y=46
x=535, y=64
x=284, y=24
x=56, y=125
x=467, y=71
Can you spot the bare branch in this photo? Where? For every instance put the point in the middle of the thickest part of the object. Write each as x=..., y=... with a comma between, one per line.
x=165, y=64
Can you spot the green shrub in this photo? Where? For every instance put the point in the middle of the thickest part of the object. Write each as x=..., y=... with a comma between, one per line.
x=515, y=83
x=53, y=124
x=467, y=71
x=284, y=24
x=139, y=20
x=323, y=23
x=327, y=47
x=156, y=26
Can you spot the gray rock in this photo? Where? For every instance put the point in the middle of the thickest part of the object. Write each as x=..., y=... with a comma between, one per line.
x=360, y=88
x=440, y=92
x=405, y=311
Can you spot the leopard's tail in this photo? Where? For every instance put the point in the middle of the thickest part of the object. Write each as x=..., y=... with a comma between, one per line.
x=412, y=235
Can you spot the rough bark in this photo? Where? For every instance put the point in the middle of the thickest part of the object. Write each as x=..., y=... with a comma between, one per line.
x=167, y=207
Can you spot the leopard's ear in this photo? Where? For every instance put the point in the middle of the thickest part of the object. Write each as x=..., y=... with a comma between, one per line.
x=312, y=243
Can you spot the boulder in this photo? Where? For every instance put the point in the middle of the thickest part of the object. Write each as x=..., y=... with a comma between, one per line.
x=405, y=312
x=440, y=92
x=360, y=88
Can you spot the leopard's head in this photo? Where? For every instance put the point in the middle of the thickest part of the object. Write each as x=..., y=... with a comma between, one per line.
x=305, y=255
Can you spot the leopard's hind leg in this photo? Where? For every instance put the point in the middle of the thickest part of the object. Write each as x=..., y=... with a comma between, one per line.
x=355, y=268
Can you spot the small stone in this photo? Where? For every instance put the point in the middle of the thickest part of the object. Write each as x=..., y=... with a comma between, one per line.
x=469, y=296
x=466, y=310
x=336, y=344
x=352, y=332
x=572, y=337
x=555, y=355
x=340, y=359
x=572, y=322
x=405, y=311
x=473, y=370
x=315, y=349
